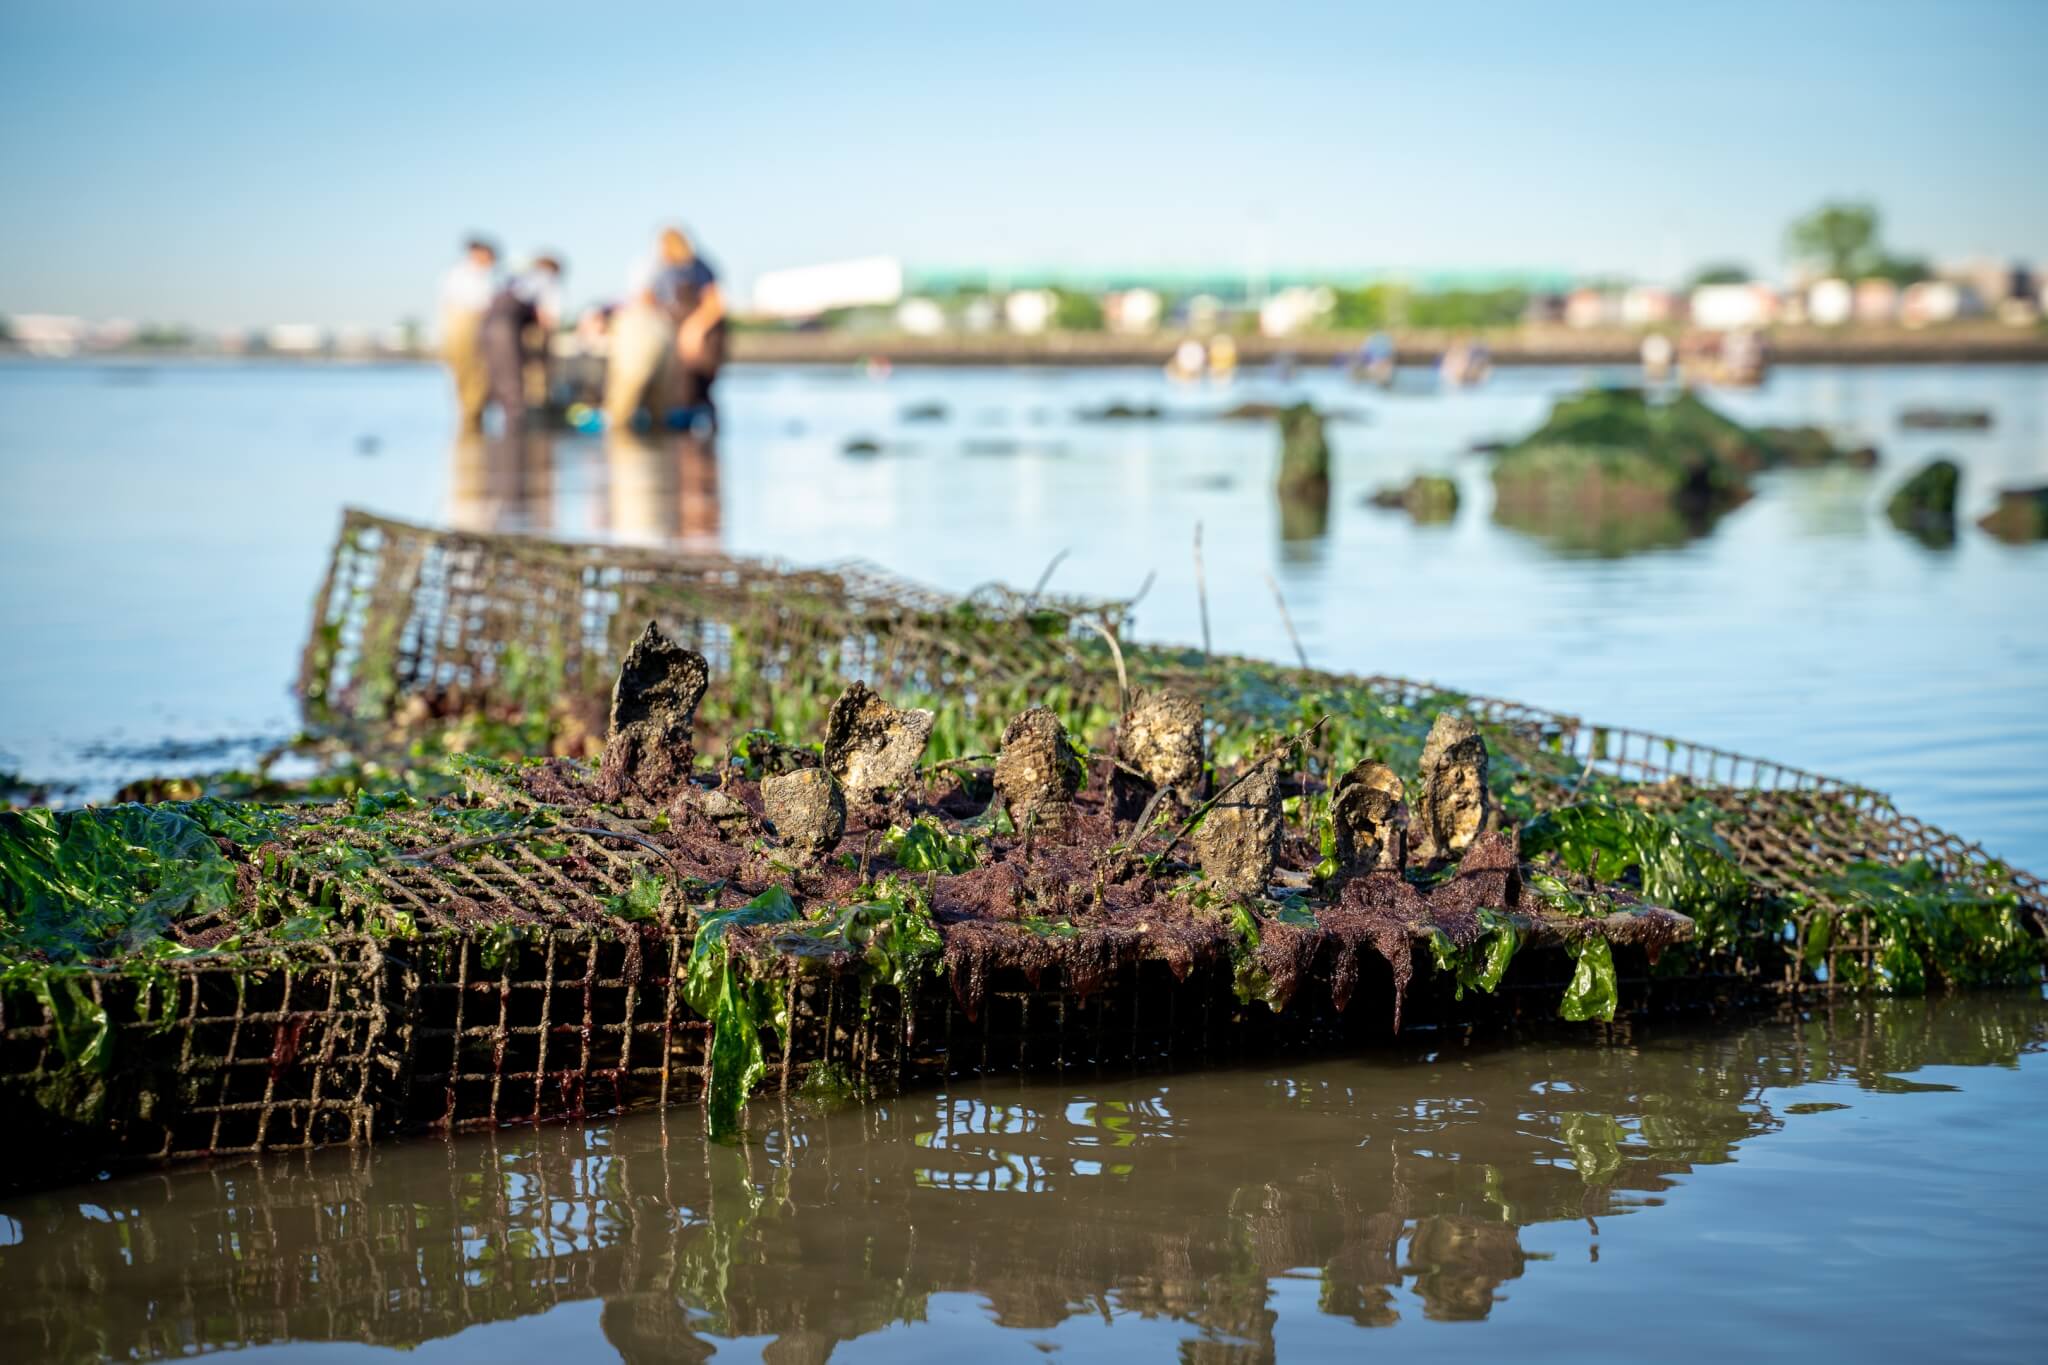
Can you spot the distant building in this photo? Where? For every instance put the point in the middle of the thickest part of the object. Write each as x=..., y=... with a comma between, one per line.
x=1133, y=310
x=806, y=291
x=295, y=338
x=1830, y=303
x=921, y=317
x=1293, y=309
x=48, y=333
x=1645, y=305
x=1592, y=308
x=1932, y=301
x=1029, y=310
x=1720, y=307
x=1877, y=301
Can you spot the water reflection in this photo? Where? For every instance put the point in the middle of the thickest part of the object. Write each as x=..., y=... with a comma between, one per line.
x=661, y=490
x=502, y=482
x=652, y=489
x=1398, y=1183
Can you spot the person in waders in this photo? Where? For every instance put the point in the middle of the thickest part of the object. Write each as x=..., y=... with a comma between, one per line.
x=466, y=292
x=667, y=339
x=514, y=334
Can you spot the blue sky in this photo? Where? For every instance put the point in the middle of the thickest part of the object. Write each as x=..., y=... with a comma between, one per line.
x=230, y=164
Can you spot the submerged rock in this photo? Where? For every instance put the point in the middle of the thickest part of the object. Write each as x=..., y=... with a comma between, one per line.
x=1238, y=841
x=2021, y=515
x=1455, y=805
x=1924, y=506
x=1370, y=819
x=1037, y=773
x=807, y=810
x=871, y=746
x=1429, y=498
x=1945, y=419
x=648, y=748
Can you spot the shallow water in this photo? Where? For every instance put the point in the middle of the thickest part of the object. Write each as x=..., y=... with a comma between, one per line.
x=1862, y=1184
x=164, y=527
x=1865, y=1182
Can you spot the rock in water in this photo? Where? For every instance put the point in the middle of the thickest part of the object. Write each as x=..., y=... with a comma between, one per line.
x=647, y=750
x=2021, y=515
x=1238, y=841
x=1161, y=736
x=1370, y=819
x=806, y=809
x=1304, y=452
x=1925, y=505
x=1037, y=774
x=872, y=747
x=1456, y=804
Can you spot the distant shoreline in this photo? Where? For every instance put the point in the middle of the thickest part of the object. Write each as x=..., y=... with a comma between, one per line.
x=1983, y=343
x=1970, y=344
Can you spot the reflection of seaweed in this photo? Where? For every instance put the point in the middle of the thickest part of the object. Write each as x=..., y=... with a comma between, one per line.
x=837, y=1227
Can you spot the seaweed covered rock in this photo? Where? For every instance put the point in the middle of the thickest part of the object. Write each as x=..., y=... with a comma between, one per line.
x=1161, y=737
x=1811, y=447
x=1038, y=773
x=1238, y=841
x=648, y=750
x=1455, y=805
x=1370, y=818
x=1429, y=498
x=1924, y=506
x=2020, y=516
x=1609, y=462
x=1304, y=452
x=871, y=746
x=807, y=810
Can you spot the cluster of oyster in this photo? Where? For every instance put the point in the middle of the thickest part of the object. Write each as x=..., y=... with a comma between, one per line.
x=873, y=752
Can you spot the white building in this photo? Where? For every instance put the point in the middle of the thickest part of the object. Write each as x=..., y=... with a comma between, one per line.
x=1719, y=307
x=1645, y=305
x=1029, y=310
x=47, y=333
x=806, y=291
x=921, y=317
x=1293, y=309
x=295, y=338
x=1134, y=310
x=1830, y=303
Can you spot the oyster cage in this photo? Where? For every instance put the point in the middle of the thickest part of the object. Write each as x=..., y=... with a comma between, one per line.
x=433, y=993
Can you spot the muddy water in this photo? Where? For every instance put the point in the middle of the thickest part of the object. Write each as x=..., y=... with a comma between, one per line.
x=1864, y=1184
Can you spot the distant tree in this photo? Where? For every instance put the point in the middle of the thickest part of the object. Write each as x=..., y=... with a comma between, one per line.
x=1841, y=237
x=1900, y=270
x=1463, y=308
x=1074, y=311
x=1721, y=272
x=6, y=328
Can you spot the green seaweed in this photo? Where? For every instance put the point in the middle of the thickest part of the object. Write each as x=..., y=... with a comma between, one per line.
x=1480, y=964
x=735, y=1004
x=89, y=885
x=925, y=846
x=1593, y=992
x=640, y=902
x=1675, y=860
x=1926, y=929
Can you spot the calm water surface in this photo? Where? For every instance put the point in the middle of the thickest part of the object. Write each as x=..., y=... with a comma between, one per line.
x=1859, y=1185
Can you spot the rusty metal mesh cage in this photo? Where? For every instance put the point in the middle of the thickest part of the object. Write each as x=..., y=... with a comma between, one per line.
x=486, y=982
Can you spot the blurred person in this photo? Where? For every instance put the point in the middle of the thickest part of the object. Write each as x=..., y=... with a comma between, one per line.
x=514, y=335
x=667, y=336
x=466, y=292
